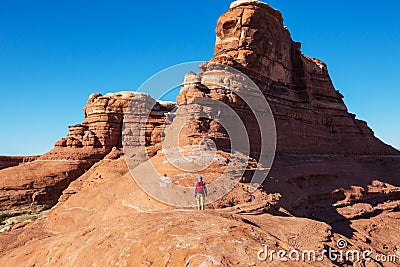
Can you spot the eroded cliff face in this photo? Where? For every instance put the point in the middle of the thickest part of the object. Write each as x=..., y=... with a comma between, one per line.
x=310, y=115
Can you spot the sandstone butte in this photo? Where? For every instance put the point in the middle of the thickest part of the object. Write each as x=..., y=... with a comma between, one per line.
x=331, y=179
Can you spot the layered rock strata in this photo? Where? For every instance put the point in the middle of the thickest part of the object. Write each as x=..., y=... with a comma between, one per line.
x=310, y=115
x=104, y=117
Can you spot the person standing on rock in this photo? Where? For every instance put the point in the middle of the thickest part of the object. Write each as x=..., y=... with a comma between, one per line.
x=200, y=193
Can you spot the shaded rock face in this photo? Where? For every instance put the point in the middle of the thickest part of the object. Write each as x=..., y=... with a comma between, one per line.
x=38, y=182
x=7, y=161
x=310, y=115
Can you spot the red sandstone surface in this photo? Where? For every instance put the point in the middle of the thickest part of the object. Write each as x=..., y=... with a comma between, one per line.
x=331, y=179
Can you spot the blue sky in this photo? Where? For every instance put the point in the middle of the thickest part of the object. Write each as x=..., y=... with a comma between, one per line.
x=54, y=54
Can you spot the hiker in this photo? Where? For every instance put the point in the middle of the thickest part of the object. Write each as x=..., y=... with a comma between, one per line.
x=200, y=192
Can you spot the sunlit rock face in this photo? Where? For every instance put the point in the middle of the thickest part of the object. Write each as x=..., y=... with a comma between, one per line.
x=310, y=115
x=104, y=117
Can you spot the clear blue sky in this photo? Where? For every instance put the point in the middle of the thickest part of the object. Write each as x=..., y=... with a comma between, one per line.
x=54, y=54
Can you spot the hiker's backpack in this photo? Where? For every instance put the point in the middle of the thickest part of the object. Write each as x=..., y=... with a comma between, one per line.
x=199, y=187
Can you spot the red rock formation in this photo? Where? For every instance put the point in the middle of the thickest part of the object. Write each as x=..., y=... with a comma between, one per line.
x=310, y=115
x=104, y=116
x=325, y=155
x=43, y=180
x=104, y=218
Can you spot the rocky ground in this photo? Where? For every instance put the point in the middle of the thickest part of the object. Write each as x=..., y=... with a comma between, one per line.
x=103, y=218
